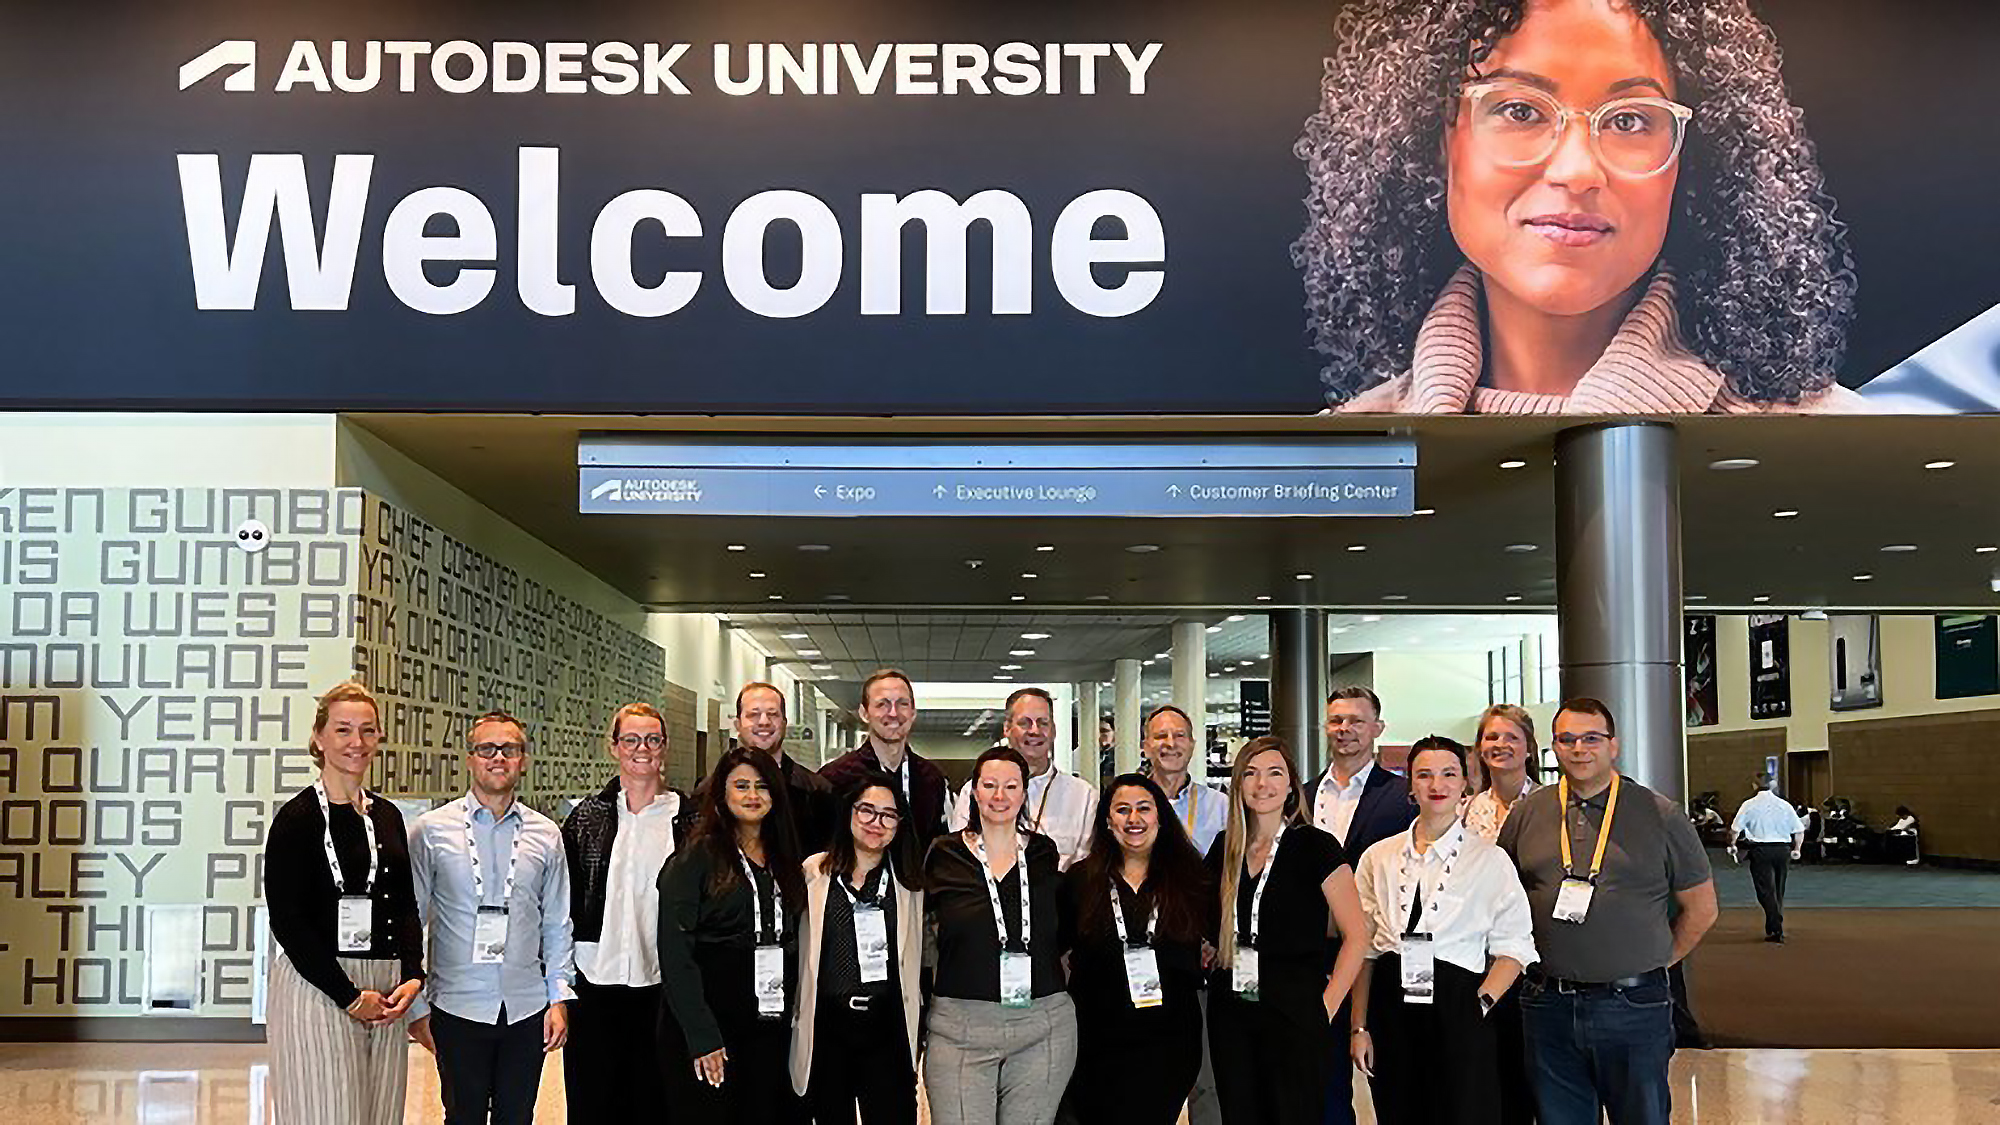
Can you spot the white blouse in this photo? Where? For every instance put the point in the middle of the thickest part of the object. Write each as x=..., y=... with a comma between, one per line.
x=1473, y=911
x=1484, y=814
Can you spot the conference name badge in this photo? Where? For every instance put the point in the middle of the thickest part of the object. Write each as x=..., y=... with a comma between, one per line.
x=489, y=935
x=1142, y=976
x=871, y=940
x=1573, y=900
x=1243, y=974
x=1418, y=957
x=354, y=924
x=1017, y=980
x=768, y=978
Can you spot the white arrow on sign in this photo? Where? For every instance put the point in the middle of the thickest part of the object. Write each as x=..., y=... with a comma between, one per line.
x=819, y=491
x=1173, y=490
x=939, y=491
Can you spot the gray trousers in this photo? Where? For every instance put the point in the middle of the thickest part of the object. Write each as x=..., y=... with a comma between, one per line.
x=991, y=1065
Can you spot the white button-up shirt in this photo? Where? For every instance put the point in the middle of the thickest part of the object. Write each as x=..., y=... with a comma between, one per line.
x=1478, y=910
x=1204, y=812
x=1334, y=803
x=1061, y=806
x=627, y=951
x=1767, y=819
x=1485, y=815
x=538, y=966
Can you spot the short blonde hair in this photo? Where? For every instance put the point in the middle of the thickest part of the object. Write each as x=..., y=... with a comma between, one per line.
x=1519, y=716
x=349, y=692
x=635, y=711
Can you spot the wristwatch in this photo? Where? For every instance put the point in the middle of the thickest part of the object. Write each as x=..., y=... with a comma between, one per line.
x=1486, y=1004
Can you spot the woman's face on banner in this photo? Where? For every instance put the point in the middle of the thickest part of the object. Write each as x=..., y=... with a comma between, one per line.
x=1566, y=235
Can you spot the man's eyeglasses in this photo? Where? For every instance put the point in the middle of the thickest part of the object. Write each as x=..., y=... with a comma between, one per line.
x=506, y=750
x=869, y=814
x=1589, y=740
x=634, y=741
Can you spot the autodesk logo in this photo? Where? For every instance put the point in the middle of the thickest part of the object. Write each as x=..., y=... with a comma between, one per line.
x=610, y=489
x=238, y=53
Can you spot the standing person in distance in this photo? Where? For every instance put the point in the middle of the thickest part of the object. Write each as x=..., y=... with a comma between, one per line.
x=729, y=909
x=1143, y=902
x=1061, y=806
x=1002, y=1030
x=349, y=956
x=1774, y=833
x=1169, y=748
x=1506, y=769
x=761, y=725
x=1448, y=934
x=861, y=948
x=493, y=889
x=889, y=707
x=1285, y=887
x=1620, y=890
x=617, y=841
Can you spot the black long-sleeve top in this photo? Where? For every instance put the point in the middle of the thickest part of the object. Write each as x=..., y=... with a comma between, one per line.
x=968, y=947
x=1097, y=960
x=303, y=898
x=694, y=921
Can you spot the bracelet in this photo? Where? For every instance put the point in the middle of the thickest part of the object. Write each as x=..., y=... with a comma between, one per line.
x=1358, y=1031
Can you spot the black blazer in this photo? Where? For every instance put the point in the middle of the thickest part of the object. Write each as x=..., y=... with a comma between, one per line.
x=1385, y=809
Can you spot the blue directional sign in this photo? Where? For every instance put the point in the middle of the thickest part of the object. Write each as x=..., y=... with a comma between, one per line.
x=1351, y=477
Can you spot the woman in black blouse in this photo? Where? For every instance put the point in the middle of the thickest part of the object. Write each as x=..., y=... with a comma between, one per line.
x=1002, y=1030
x=1136, y=975
x=729, y=910
x=862, y=937
x=350, y=946
x=1284, y=888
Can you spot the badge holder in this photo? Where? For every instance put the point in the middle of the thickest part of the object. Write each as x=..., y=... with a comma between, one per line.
x=1243, y=974
x=1573, y=900
x=354, y=925
x=489, y=935
x=1142, y=977
x=1017, y=979
x=1418, y=958
x=768, y=973
x=871, y=940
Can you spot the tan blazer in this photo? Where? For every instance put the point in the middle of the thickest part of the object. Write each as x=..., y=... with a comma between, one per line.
x=812, y=927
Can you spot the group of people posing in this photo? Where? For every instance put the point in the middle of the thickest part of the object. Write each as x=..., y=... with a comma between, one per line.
x=791, y=945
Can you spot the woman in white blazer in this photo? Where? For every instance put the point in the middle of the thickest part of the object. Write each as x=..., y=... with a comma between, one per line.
x=854, y=1033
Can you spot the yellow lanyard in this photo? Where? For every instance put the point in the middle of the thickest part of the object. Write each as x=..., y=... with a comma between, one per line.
x=1603, y=830
x=1043, y=806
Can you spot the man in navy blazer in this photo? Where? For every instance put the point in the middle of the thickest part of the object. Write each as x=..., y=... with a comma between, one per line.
x=1359, y=802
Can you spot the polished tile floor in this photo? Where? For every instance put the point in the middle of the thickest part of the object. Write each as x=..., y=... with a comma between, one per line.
x=208, y=1084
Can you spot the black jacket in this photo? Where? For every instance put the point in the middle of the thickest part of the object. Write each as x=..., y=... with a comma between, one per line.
x=588, y=833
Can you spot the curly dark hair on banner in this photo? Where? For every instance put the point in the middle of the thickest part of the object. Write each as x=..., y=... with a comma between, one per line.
x=1765, y=281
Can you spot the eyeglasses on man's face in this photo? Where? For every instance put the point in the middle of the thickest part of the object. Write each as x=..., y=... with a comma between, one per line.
x=1589, y=740
x=508, y=751
x=1518, y=125
x=871, y=814
x=634, y=741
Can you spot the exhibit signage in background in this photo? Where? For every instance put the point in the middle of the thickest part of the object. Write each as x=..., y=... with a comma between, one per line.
x=968, y=207
x=1770, y=666
x=1698, y=660
x=1968, y=655
x=1253, y=708
x=1855, y=661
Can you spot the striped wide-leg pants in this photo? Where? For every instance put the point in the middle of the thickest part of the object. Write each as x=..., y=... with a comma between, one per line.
x=329, y=1069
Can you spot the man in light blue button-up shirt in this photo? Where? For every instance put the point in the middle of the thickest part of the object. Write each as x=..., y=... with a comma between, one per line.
x=493, y=891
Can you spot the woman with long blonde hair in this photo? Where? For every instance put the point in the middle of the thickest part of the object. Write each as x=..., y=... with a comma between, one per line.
x=1285, y=889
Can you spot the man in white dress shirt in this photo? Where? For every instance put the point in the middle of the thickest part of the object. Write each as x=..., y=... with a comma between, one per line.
x=1061, y=806
x=1771, y=828
x=1169, y=750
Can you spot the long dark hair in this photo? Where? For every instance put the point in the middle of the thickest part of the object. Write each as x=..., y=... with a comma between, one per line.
x=997, y=754
x=1176, y=879
x=901, y=855
x=715, y=828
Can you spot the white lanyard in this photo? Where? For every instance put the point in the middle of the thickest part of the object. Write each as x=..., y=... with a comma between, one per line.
x=1118, y=917
x=333, y=857
x=1406, y=899
x=757, y=903
x=1257, y=896
x=993, y=888
x=881, y=898
x=478, y=872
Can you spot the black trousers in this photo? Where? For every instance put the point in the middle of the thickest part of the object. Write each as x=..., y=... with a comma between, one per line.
x=1271, y=1054
x=612, y=1061
x=757, y=1078
x=861, y=1059
x=488, y=1071
x=1412, y=1039
x=1134, y=1066
x=1768, y=866
x=1517, y=1095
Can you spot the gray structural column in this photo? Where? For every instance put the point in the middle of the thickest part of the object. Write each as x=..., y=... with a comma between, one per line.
x=1298, y=684
x=1125, y=713
x=1190, y=694
x=1618, y=589
x=1089, y=713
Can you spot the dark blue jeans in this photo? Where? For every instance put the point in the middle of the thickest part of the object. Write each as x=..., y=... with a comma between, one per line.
x=1605, y=1050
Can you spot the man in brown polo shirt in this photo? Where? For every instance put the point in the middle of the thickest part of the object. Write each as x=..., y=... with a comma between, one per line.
x=1620, y=890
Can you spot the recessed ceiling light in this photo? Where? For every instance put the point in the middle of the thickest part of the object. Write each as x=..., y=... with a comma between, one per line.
x=1730, y=463
x=1010, y=667
x=756, y=574
x=1214, y=629
x=1302, y=577
x=1235, y=617
x=736, y=547
x=775, y=597
x=1003, y=677
x=1512, y=598
x=1784, y=513
x=1357, y=547
x=1761, y=598
x=1395, y=597
x=1939, y=464
x=1370, y=618
x=1513, y=464
x=829, y=677
x=1263, y=597
x=1098, y=598
x=1863, y=577
x=822, y=667
x=1163, y=656
x=1425, y=512
x=1694, y=597
x=814, y=547
x=1145, y=664
x=1263, y=656
x=836, y=597
x=1029, y=574
x=1213, y=675
x=1017, y=597
x=1020, y=652
x=1899, y=548
x=1034, y=636
x=808, y=652
x=1143, y=548
x=1521, y=548
x=1985, y=550
x=1045, y=546
x=791, y=636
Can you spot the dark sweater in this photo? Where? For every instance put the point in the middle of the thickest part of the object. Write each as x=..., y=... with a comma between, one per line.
x=697, y=927
x=588, y=833
x=303, y=899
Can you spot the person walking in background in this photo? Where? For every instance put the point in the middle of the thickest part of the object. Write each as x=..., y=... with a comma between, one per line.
x=493, y=889
x=1002, y=1029
x=349, y=945
x=729, y=909
x=854, y=1036
x=1143, y=902
x=1448, y=934
x=1770, y=831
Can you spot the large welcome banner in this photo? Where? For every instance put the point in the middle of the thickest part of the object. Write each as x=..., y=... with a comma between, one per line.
x=965, y=207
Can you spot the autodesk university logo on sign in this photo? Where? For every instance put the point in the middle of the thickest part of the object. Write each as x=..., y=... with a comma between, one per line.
x=459, y=66
x=241, y=54
x=658, y=491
